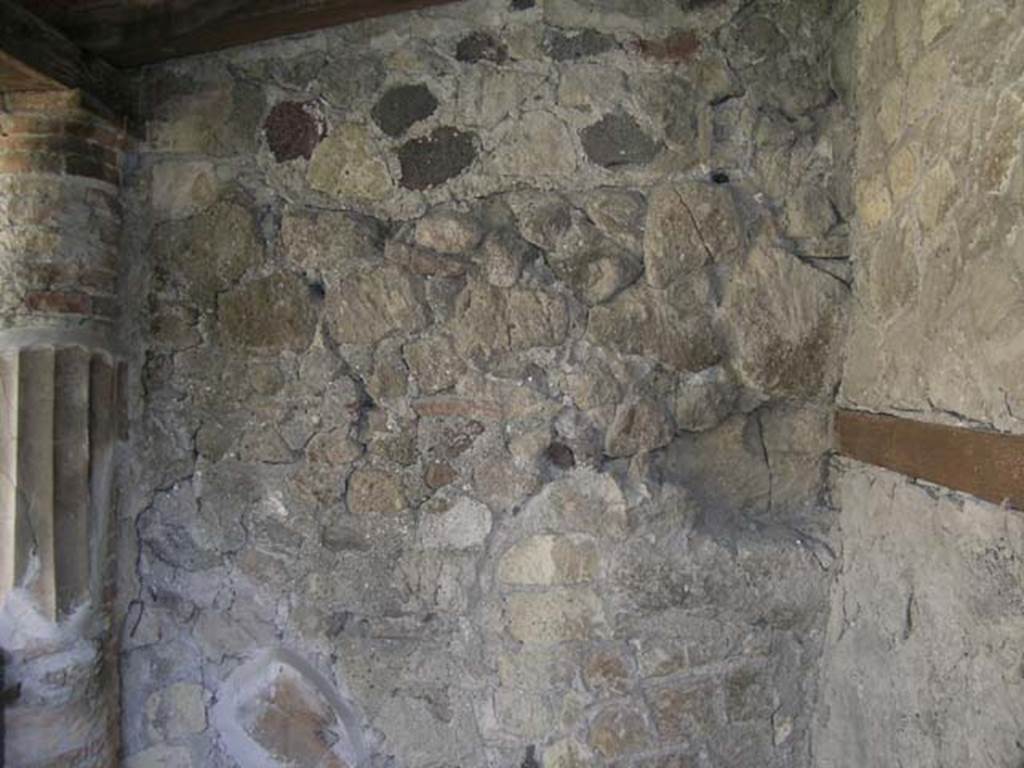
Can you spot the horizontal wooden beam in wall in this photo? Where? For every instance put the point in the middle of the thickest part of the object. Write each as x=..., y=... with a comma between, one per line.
x=135, y=34
x=34, y=56
x=989, y=465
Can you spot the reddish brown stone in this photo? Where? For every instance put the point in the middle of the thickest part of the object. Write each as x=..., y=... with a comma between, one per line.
x=678, y=46
x=59, y=302
x=293, y=130
x=439, y=474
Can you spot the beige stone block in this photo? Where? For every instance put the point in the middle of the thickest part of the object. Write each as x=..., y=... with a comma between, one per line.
x=937, y=16
x=177, y=711
x=619, y=729
x=550, y=560
x=373, y=492
x=902, y=172
x=874, y=202
x=874, y=16
x=929, y=81
x=349, y=165
x=536, y=144
x=160, y=757
x=890, y=109
x=567, y=753
x=937, y=193
x=556, y=616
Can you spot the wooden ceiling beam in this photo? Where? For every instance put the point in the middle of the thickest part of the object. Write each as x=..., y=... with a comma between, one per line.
x=989, y=465
x=36, y=57
x=165, y=33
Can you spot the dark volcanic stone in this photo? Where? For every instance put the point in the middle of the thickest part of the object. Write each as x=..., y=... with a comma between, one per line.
x=617, y=139
x=433, y=159
x=481, y=46
x=293, y=130
x=561, y=455
x=401, y=107
x=562, y=47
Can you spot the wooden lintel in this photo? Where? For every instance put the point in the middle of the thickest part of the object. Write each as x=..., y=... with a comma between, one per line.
x=986, y=464
x=34, y=56
x=229, y=23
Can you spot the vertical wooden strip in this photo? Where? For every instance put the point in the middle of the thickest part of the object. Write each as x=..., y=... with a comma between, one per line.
x=102, y=405
x=8, y=467
x=34, y=479
x=989, y=465
x=71, y=477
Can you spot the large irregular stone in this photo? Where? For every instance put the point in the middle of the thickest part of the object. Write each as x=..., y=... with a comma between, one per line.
x=594, y=265
x=556, y=616
x=274, y=312
x=434, y=159
x=374, y=492
x=641, y=425
x=323, y=243
x=670, y=326
x=680, y=712
x=176, y=712
x=583, y=501
x=433, y=363
x=349, y=165
x=619, y=214
x=372, y=304
x=489, y=322
x=348, y=81
x=218, y=247
x=464, y=525
x=619, y=729
x=536, y=319
x=504, y=255
x=401, y=107
x=616, y=140
x=724, y=470
x=536, y=144
x=703, y=400
x=688, y=226
x=786, y=318
x=546, y=560
x=448, y=231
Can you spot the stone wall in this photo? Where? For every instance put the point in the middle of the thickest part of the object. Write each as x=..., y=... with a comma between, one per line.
x=922, y=667
x=484, y=406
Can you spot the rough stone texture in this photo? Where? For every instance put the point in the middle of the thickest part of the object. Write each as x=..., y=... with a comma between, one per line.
x=348, y=165
x=473, y=409
x=274, y=312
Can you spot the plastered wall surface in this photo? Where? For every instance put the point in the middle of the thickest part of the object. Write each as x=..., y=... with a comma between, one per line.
x=488, y=358
x=922, y=666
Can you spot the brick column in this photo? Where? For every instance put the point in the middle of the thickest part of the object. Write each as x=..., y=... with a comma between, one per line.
x=59, y=233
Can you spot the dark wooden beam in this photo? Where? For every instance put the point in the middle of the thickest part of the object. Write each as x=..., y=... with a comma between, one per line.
x=36, y=57
x=989, y=465
x=132, y=34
